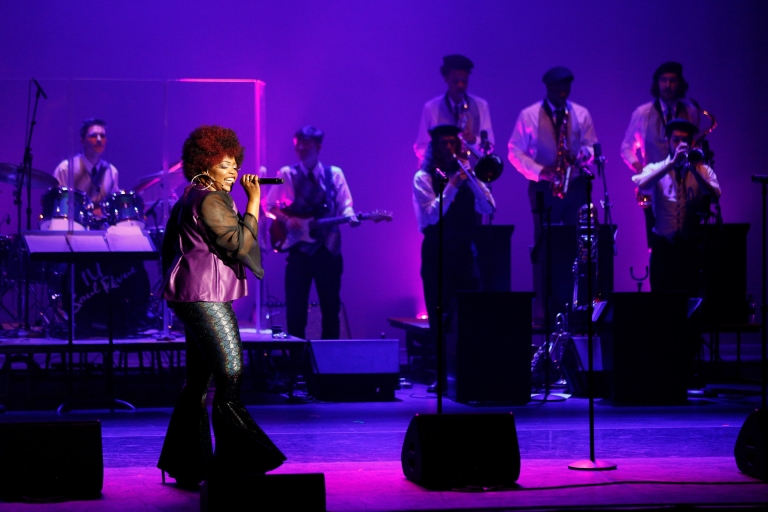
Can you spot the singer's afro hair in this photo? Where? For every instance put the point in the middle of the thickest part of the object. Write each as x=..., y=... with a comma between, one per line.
x=208, y=145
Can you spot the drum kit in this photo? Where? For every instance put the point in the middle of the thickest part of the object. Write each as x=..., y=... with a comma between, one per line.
x=120, y=209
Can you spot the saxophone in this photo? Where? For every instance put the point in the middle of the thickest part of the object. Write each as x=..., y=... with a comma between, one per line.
x=564, y=160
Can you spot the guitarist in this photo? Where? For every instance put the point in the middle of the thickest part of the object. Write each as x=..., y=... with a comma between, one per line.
x=312, y=189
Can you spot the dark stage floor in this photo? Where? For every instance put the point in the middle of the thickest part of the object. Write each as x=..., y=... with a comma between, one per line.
x=666, y=456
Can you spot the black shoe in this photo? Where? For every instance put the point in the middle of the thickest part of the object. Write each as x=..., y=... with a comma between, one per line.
x=188, y=483
x=432, y=388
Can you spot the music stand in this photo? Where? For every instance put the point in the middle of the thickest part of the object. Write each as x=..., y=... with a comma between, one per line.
x=105, y=247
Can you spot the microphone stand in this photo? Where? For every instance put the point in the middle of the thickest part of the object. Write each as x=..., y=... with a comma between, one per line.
x=26, y=176
x=763, y=180
x=442, y=179
x=606, y=202
x=592, y=464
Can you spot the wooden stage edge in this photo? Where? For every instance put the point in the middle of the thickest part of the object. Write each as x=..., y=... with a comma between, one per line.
x=251, y=340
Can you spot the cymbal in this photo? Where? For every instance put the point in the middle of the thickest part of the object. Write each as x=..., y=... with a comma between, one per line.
x=174, y=179
x=9, y=173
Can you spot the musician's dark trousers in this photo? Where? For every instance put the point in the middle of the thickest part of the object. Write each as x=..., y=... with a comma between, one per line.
x=561, y=211
x=325, y=269
x=214, y=351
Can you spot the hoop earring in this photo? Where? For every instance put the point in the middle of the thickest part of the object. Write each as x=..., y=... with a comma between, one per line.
x=199, y=182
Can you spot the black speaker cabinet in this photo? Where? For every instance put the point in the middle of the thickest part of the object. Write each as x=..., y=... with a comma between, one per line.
x=442, y=451
x=354, y=370
x=305, y=492
x=50, y=459
x=751, y=450
x=649, y=342
x=488, y=347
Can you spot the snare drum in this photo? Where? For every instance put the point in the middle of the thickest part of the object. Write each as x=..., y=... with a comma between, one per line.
x=124, y=206
x=56, y=207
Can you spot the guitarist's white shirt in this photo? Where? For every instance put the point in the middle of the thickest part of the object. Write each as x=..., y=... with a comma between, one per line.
x=280, y=196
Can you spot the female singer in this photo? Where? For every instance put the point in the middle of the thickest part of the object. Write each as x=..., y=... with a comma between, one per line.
x=206, y=247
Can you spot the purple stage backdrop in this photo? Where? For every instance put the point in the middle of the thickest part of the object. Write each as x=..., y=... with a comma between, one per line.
x=361, y=72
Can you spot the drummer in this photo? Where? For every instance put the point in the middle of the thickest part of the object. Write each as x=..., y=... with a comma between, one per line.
x=93, y=175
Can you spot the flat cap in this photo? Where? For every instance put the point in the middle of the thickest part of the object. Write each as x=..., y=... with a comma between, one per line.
x=556, y=74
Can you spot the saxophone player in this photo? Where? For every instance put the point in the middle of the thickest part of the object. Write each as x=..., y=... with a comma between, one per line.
x=646, y=131
x=542, y=131
x=456, y=107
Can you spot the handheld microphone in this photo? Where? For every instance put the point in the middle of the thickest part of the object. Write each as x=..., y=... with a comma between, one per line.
x=40, y=89
x=598, y=149
x=441, y=176
x=271, y=181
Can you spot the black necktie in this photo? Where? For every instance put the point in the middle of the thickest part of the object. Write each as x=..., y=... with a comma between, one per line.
x=559, y=115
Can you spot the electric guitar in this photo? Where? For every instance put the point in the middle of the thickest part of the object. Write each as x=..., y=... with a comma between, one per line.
x=282, y=239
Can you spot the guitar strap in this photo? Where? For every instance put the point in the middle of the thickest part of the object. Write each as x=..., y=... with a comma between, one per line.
x=330, y=190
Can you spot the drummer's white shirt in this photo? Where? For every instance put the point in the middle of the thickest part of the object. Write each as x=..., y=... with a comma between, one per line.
x=97, y=192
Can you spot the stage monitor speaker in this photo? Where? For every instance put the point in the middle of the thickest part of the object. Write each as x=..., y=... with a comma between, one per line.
x=44, y=460
x=488, y=347
x=751, y=450
x=650, y=346
x=305, y=492
x=443, y=451
x=354, y=370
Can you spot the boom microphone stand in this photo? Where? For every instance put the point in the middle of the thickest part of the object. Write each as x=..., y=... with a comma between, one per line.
x=591, y=464
x=25, y=177
x=442, y=179
x=606, y=201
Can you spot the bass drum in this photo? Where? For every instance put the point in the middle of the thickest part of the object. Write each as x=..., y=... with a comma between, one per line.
x=55, y=204
x=125, y=207
x=127, y=282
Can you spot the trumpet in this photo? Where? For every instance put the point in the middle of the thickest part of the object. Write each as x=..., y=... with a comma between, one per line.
x=488, y=166
x=472, y=178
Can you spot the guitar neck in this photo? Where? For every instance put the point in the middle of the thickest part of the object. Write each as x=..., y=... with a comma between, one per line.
x=332, y=221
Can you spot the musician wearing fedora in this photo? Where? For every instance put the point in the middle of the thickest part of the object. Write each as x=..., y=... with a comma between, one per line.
x=543, y=131
x=317, y=190
x=455, y=107
x=463, y=197
x=645, y=140
x=93, y=175
x=682, y=187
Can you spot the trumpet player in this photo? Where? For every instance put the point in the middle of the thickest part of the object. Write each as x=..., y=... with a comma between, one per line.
x=682, y=187
x=456, y=107
x=646, y=133
x=462, y=197
x=549, y=137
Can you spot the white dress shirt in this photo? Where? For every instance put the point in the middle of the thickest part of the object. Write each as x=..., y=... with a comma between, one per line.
x=97, y=192
x=523, y=145
x=429, y=119
x=670, y=199
x=426, y=202
x=281, y=196
x=636, y=134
